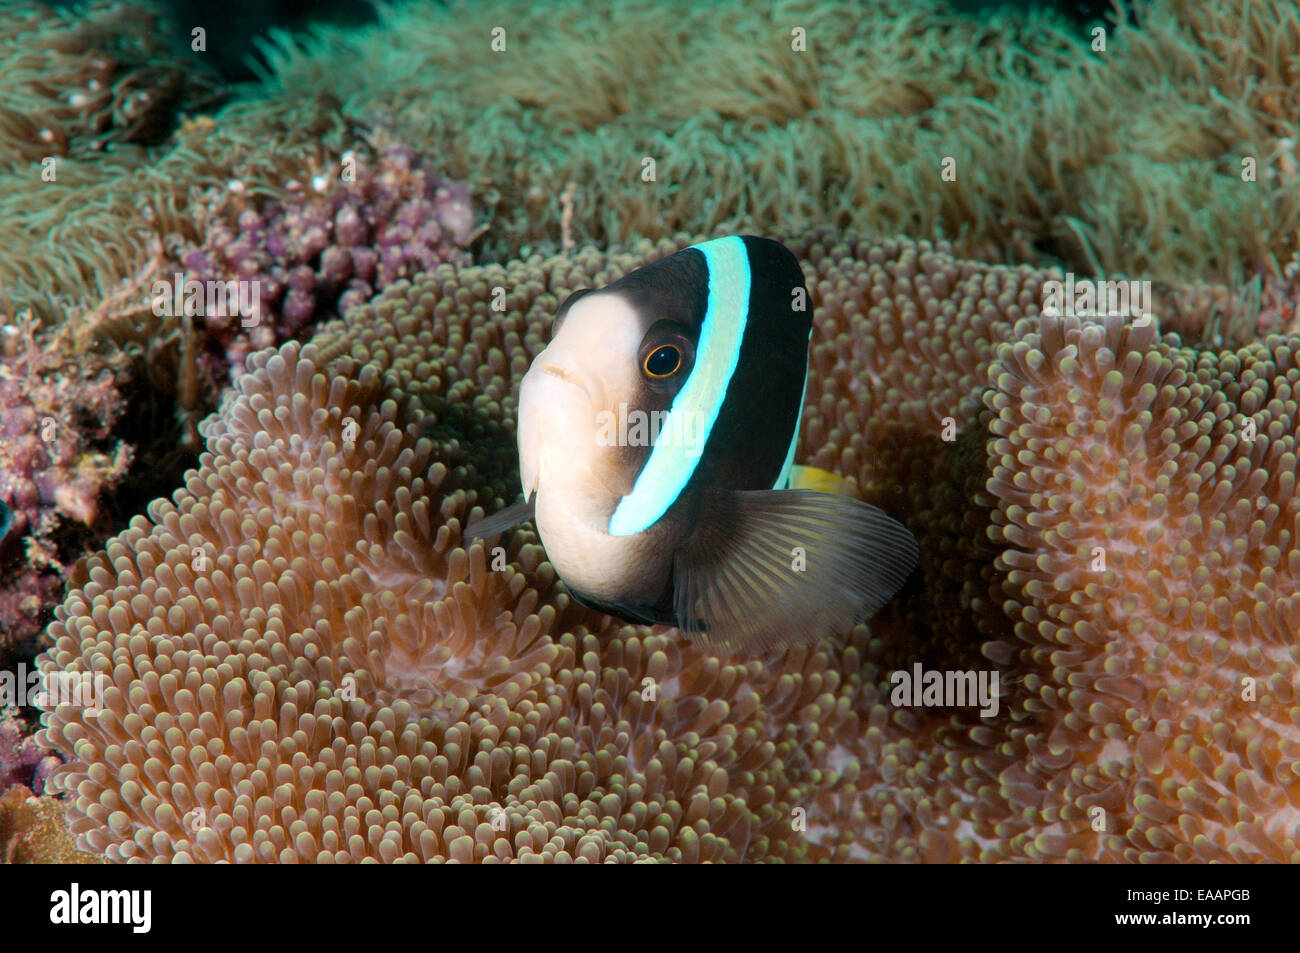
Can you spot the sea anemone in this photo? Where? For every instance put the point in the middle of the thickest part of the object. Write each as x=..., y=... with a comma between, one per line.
x=306, y=662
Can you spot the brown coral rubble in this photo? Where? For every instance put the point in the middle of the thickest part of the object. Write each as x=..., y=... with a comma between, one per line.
x=57, y=463
x=32, y=831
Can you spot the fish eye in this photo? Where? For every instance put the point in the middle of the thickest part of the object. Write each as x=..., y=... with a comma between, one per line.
x=663, y=361
x=666, y=355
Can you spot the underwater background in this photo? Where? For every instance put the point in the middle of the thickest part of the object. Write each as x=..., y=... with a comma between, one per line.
x=246, y=531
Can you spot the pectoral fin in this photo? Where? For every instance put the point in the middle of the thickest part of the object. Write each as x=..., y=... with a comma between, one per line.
x=645, y=615
x=769, y=568
x=502, y=520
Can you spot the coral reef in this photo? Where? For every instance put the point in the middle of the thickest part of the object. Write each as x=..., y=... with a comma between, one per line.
x=27, y=596
x=308, y=665
x=749, y=122
x=90, y=235
x=54, y=412
x=32, y=831
x=22, y=759
x=57, y=462
x=328, y=245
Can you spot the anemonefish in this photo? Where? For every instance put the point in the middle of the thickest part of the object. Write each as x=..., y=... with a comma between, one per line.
x=657, y=435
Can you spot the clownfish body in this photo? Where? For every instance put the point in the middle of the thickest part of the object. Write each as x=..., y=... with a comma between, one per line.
x=657, y=434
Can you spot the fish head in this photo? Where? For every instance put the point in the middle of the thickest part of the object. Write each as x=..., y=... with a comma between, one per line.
x=593, y=401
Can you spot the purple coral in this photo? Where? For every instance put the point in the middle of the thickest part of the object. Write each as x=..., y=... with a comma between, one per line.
x=52, y=412
x=25, y=593
x=22, y=759
x=325, y=247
